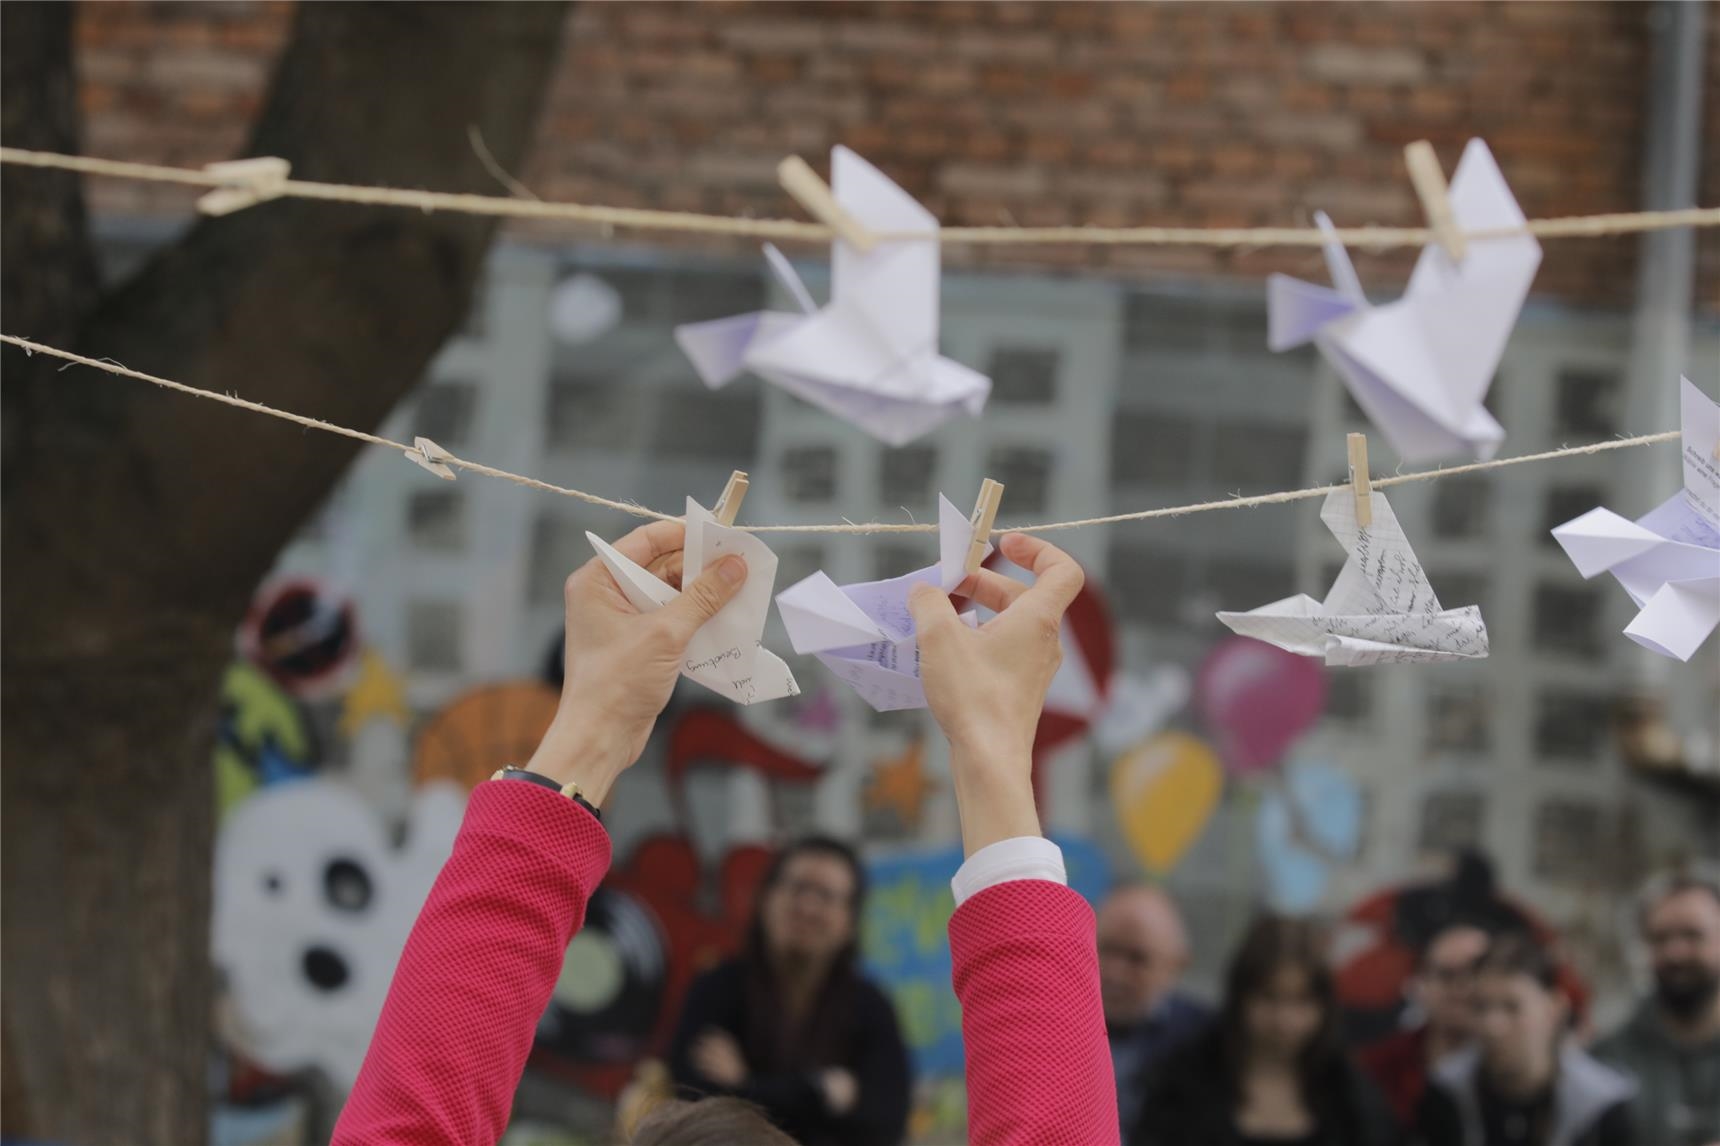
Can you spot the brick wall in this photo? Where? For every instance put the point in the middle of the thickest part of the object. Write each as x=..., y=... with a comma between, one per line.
x=1032, y=113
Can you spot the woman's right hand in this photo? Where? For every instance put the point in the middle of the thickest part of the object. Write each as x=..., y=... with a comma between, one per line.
x=987, y=686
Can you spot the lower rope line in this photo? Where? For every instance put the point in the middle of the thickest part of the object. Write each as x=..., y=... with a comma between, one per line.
x=636, y=510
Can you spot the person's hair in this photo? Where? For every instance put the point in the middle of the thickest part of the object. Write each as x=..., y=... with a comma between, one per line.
x=1521, y=955
x=1668, y=884
x=1444, y=928
x=764, y=1038
x=711, y=1122
x=1272, y=943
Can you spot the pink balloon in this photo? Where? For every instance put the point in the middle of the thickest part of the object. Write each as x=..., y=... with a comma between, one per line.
x=1257, y=699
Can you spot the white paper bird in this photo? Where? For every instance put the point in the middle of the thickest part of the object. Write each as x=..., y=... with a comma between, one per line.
x=864, y=633
x=725, y=654
x=871, y=355
x=1421, y=366
x=1380, y=610
x=1668, y=559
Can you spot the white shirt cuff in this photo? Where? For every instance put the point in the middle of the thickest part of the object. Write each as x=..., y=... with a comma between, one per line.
x=1024, y=857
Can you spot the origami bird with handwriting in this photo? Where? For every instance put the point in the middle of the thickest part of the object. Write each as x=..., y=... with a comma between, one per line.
x=1421, y=366
x=1668, y=559
x=870, y=356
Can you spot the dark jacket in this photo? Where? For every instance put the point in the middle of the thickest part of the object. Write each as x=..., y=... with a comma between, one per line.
x=1678, y=1084
x=871, y=1049
x=1138, y=1051
x=1398, y=1066
x=1589, y=1104
x=1193, y=1103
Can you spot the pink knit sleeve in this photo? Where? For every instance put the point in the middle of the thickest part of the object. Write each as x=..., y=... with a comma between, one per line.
x=477, y=972
x=1027, y=975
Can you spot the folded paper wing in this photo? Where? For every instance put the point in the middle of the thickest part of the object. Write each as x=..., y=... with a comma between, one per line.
x=871, y=355
x=725, y=654
x=1380, y=609
x=1420, y=367
x=864, y=632
x=1668, y=559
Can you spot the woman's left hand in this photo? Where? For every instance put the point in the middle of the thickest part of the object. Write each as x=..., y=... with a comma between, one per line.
x=718, y=1057
x=621, y=665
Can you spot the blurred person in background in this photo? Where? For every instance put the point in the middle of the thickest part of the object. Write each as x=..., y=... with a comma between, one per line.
x=791, y=1024
x=1143, y=952
x=1671, y=1046
x=1439, y=995
x=1525, y=1082
x=1272, y=1070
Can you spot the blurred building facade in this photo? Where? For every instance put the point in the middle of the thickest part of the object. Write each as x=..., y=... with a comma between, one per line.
x=1125, y=378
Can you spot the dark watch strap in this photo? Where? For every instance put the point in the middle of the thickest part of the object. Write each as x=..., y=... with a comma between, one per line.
x=513, y=773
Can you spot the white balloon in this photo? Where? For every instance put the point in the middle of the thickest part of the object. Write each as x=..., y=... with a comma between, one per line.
x=583, y=308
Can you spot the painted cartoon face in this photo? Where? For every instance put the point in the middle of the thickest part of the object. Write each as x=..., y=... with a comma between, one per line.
x=312, y=908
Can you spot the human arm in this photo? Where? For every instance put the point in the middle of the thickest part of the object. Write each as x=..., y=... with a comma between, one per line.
x=485, y=953
x=1025, y=963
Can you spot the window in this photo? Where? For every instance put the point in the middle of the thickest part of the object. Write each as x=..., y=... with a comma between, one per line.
x=1569, y=841
x=1146, y=583
x=1449, y=821
x=905, y=476
x=1457, y=589
x=1349, y=696
x=1258, y=456
x=1025, y=472
x=1567, y=619
x=433, y=641
x=436, y=519
x=893, y=560
x=445, y=412
x=1243, y=583
x=1562, y=503
x=1026, y=375
x=809, y=473
x=1586, y=403
x=1457, y=718
x=558, y=548
x=1149, y=448
x=1462, y=507
x=1571, y=726
x=719, y=426
x=795, y=563
x=585, y=412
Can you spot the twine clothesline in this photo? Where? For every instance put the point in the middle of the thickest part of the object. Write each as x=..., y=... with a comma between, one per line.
x=639, y=218
x=31, y=347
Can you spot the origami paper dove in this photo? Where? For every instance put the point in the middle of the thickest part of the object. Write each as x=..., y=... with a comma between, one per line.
x=864, y=633
x=1420, y=367
x=871, y=356
x=1668, y=560
x=1380, y=610
x=724, y=655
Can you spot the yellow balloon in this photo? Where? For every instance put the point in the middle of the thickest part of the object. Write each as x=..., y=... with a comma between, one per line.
x=1165, y=790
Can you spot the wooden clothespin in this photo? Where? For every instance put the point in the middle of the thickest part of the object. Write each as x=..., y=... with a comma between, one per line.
x=811, y=192
x=1359, y=483
x=1428, y=179
x=733, y=494
x=984, y=513
x=428, y=455
x=249, y=182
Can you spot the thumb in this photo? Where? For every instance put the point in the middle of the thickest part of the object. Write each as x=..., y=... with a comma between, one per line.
x=705, y=596
x=929, y=605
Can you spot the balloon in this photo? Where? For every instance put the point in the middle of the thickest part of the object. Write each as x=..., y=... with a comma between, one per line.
x=1301, y=831
x=1256, y=700
x=1165, y=791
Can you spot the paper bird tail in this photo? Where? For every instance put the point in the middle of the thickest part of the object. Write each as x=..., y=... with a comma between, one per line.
x=718, y=349
x=1296, y=310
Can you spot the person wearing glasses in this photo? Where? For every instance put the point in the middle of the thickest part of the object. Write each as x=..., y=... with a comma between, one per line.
x=790, y=1024
x=1440, y=996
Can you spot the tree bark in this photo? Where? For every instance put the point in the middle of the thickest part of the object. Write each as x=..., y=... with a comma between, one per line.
x=136, y=524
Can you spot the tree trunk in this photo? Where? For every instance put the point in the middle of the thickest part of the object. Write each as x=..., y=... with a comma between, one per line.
x=136, y=523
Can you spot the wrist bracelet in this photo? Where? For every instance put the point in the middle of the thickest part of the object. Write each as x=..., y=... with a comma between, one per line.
x=569, y=789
